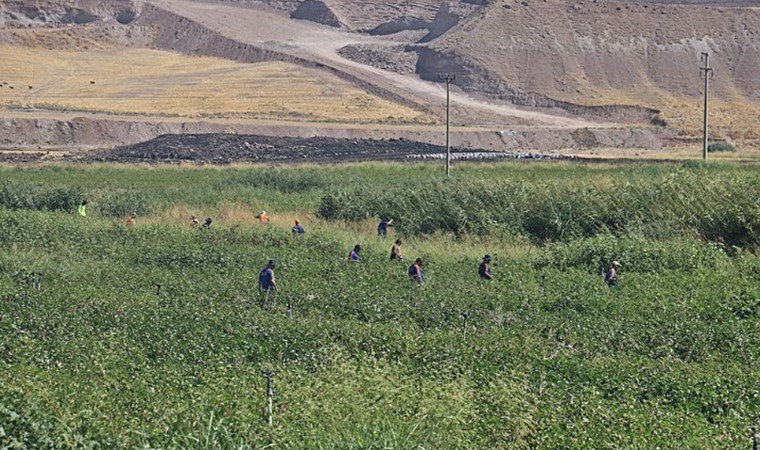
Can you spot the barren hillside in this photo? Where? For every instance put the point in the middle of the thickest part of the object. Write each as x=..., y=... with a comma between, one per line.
x=519, y=64
x=597, y=52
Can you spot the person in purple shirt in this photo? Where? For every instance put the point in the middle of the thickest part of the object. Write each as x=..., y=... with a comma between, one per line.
x=267, y=282
x=354, y=255
x=298, y=229
x=611, y=277
x=484, y=270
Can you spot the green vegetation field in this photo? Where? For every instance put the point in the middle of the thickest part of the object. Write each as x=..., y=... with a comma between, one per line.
x=156, y=337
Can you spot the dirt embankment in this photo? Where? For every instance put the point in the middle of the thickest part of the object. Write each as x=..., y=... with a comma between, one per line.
x=474, y=78
x=85, y=133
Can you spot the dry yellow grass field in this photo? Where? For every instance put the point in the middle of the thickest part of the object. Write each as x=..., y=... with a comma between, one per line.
x=736, y=117
x=160, y=83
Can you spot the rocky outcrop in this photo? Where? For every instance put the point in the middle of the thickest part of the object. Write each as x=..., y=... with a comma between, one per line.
x=21, y=13
x=316, y=11
x=391, y=58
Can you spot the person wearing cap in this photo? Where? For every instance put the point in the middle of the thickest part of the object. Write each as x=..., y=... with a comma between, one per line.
x=82, y=208
x=353, y=256
x=611, y=277
x=415, y=272
x=396, y=251
x=132, y=219
x=298, y=229
x=484, y=270
x=267, y=282
x=382, y=227
x=194, y=222
x=263, y=217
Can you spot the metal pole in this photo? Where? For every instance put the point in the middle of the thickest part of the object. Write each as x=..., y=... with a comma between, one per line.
x=448, y=78
x=464, y=327
x=270, y=395
x=707, y=73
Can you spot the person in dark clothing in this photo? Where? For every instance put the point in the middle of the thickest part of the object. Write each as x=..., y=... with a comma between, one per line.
x=382, y=227
x=415, y=272
x=353, y=256
x=298, y=229
x=484, y=270
x=207, y=223
x=267, y=282
x=611, y=277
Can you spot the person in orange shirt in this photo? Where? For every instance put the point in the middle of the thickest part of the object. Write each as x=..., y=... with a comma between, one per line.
x=263, y=217
x=131, y=220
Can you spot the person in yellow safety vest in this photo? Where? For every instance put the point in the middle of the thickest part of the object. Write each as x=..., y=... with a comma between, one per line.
x=83, y=208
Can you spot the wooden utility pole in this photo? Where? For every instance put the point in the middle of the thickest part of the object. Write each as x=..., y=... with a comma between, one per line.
x=706, y=72
x=448, y=78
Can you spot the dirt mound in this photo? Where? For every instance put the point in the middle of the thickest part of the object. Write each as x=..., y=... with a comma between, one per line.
x=316, y=11
x=230, y=148
x=20, y=157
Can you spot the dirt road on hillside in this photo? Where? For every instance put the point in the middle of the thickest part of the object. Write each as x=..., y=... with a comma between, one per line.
x=271, y=30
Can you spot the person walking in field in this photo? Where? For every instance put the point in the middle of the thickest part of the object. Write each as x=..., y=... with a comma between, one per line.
x=415, y=272
x=194, y=222
x=208, y=222
x=353, y=256
x=298, y=229
x=82, y=209
x=131, y=220
x=484, y=270
x=382, y=227
x=263, y=217
x=396, y=251
x=611, y=277
x=267, y=283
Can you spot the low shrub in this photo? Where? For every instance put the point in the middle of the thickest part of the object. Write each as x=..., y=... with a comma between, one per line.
x=720, y=146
